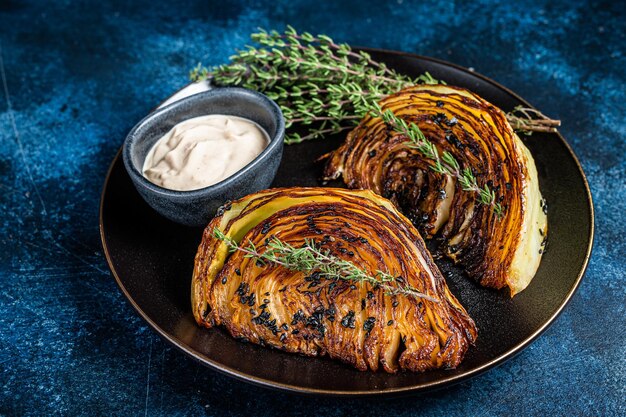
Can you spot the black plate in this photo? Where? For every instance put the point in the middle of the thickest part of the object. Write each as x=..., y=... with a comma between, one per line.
x=152, y=259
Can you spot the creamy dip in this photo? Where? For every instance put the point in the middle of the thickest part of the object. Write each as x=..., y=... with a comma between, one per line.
x=203, y=151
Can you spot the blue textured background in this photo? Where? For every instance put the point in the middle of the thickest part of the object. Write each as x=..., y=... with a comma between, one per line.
x=77, y=75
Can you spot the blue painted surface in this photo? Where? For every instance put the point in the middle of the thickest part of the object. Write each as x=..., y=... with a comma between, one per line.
x=76, y=77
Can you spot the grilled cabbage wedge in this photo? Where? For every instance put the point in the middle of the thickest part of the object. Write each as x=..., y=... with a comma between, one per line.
x=354, y=322
x=496, y=252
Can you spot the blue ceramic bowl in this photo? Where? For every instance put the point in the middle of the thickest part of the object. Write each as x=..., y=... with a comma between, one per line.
x=197, y=207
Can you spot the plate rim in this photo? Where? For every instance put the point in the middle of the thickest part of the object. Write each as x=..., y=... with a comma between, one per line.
x=423, y=387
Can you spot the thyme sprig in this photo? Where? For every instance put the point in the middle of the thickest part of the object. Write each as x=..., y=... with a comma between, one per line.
x=526, y=120
x=310, y=258
x=323, y=85
x=445, y=163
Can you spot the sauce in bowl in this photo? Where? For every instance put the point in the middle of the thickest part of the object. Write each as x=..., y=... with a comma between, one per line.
x=203, y=151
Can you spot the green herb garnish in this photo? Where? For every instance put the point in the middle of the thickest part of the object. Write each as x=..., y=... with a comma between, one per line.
x=326, y=86
x=310, y=258
x=444, y=164
x=317, y=83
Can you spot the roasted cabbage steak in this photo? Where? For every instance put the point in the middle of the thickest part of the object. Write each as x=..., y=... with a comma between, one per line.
x=358, y=323
x=496, y=251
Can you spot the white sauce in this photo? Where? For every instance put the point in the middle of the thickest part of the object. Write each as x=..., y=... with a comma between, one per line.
x=203, y=151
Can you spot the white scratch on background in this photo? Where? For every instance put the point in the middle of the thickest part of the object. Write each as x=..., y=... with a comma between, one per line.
x=81, y=259
x=15, y=131
x=148, y=381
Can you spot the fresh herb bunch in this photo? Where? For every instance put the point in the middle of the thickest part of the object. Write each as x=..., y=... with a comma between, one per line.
x=317, y=83
x=444, y=164
x=325, y=86
x=310, y=258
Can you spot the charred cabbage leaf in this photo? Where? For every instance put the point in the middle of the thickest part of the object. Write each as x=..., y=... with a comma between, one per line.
x=497, y=251
x=356, y=322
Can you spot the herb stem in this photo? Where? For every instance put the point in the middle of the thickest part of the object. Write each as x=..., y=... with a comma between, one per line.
x=319, y=119
x=526, y=120
x=315, y=134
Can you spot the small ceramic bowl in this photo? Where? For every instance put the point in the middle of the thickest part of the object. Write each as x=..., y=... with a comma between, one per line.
x=197, y=207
